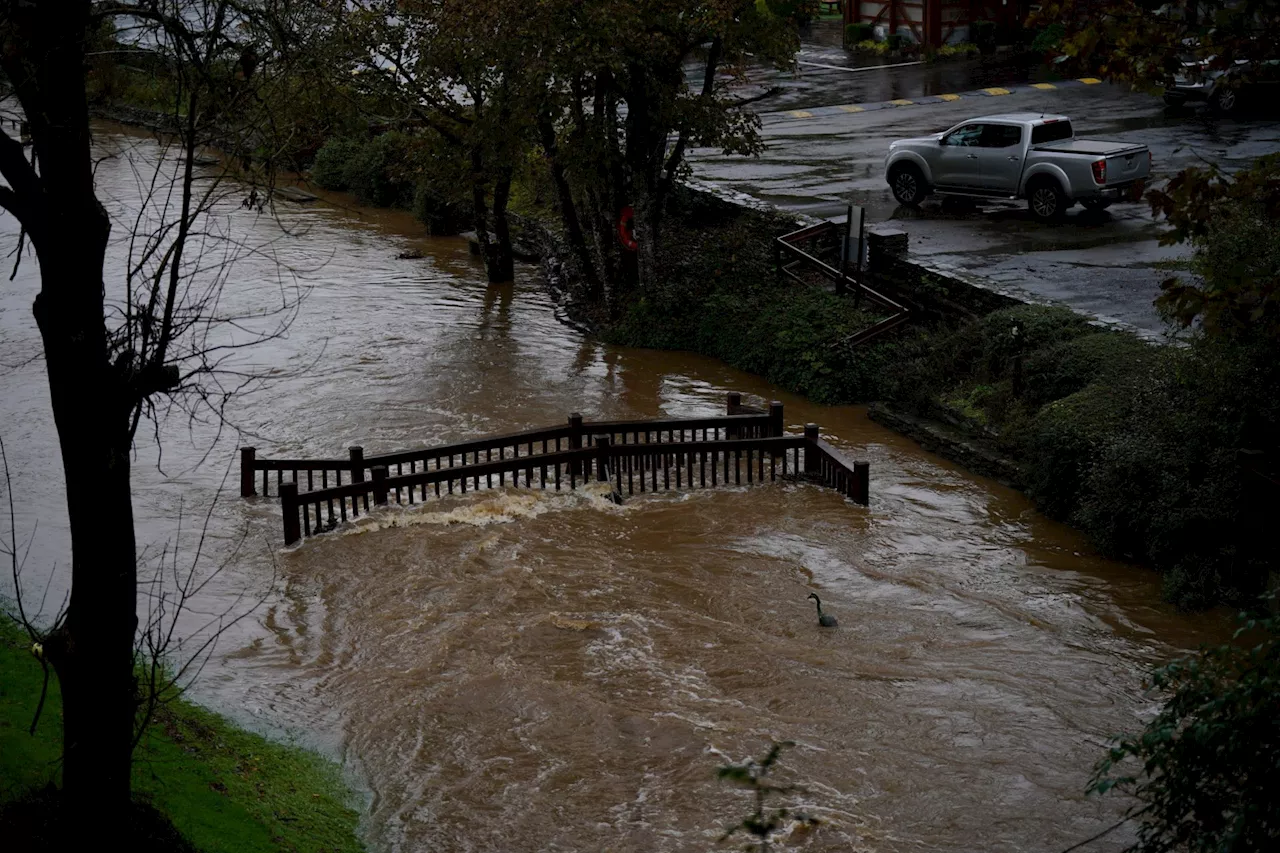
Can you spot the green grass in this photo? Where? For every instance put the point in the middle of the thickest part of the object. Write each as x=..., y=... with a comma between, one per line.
x=223, y=788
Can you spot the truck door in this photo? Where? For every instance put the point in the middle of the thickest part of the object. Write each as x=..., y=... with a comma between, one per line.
x=957, y=162
x=1000, y=157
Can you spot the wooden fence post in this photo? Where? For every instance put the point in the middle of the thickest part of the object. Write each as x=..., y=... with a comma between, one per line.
x=380, y=485
x=733, y=402
x=246, y=472
x=776, y=424
x=602, y=458
x=575, y=440
x=812, y=462
x=289, y=506
x=861, y=486
x=357, y=464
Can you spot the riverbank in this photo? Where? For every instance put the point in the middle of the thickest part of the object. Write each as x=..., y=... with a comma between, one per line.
x=1148, y=449
x=219, y=787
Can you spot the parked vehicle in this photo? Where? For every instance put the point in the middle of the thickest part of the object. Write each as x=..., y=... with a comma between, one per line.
x=1239, y=86
x=1020, y=155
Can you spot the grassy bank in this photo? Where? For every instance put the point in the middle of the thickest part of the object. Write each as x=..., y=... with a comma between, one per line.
x=1157, y=453
x=220, y=787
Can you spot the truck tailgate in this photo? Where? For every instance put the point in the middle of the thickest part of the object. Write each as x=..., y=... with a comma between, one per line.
x=1125, y=162
x=1130, y=165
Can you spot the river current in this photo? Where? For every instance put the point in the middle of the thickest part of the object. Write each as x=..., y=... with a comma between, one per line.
x=509, y=671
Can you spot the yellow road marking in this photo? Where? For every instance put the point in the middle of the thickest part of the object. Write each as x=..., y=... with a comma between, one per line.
x=949, y=97
x=852, y=109
x=1089, y=81
x=1043, y=86
x=902, y=102
x=996, y=90
x=800, y=114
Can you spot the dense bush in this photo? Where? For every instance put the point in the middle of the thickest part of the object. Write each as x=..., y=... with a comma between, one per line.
x=855, y=33
x=1158, y=453
x=1061, y=369
x=983, y=34
x=895, y=41
x=719, y=294
x=331, y=170
x=1206, y=767
x=801, y=11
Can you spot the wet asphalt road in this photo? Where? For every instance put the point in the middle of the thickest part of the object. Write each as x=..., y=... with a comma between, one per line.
x=1108, y=264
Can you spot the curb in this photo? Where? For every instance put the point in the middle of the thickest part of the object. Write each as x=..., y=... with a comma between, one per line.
x=989, y=92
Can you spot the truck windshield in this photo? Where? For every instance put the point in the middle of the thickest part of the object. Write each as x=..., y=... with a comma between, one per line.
x=1050, y=132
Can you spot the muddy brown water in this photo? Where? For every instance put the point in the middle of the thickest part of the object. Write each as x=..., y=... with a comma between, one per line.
x=512, y=671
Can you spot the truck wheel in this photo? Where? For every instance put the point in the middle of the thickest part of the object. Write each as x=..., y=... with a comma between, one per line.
x=1046, y=201
x=908, y=185
x=1224, y=100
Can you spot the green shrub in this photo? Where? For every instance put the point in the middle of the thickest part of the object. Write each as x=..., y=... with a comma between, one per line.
x=895, y=41
x=983, y=34
x=1049, y=39
x=331, y=168
x=1061, y=442
x=1206, y=766
x=957, y=51
x=374, y=169
x=801, y=11
x=1061, y=369
x=857, y=33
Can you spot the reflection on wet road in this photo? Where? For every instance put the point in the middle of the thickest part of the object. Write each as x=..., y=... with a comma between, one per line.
x=1107, y=263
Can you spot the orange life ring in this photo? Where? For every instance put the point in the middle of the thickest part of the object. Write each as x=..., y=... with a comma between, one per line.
x=625, y=236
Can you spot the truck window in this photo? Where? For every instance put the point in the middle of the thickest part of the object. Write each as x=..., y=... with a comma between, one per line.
x=966, y=136
x=1001, y=136
x=1052, y=131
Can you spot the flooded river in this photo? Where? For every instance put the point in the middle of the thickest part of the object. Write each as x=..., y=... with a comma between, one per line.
x=515, y=672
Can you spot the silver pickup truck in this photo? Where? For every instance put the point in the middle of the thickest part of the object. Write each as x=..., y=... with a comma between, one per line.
x=1019, y=155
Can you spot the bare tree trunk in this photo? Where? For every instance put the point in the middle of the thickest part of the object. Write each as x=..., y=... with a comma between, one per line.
x=504, y=260
x=92, y=401
x=568, y=209
x=480, y=217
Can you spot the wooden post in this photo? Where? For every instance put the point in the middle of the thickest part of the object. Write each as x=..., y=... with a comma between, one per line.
x=575, y=440
x=733, y=402
x=357, y=464
x=246, y=472
x=602, y=443
x=776, y=425
x=933, y=22
x=289, y=506
x=861, y=486
x=380, y=485
x=844, y=252
x=812, y=463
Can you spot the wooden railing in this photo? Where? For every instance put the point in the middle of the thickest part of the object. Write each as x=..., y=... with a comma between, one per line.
x=741, y=448
x=816, y=248
x=312, y=474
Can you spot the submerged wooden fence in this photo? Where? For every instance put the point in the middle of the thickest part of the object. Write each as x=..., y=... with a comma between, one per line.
x=743, y=446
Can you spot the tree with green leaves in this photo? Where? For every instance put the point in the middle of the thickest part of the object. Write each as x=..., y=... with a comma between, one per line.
x=621, y=113
x=1146, y=42
x=1233, y=221
x=1206, y=769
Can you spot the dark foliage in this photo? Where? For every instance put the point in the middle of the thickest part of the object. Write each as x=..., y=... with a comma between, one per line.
x=1206, y=769
x=39, y=823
